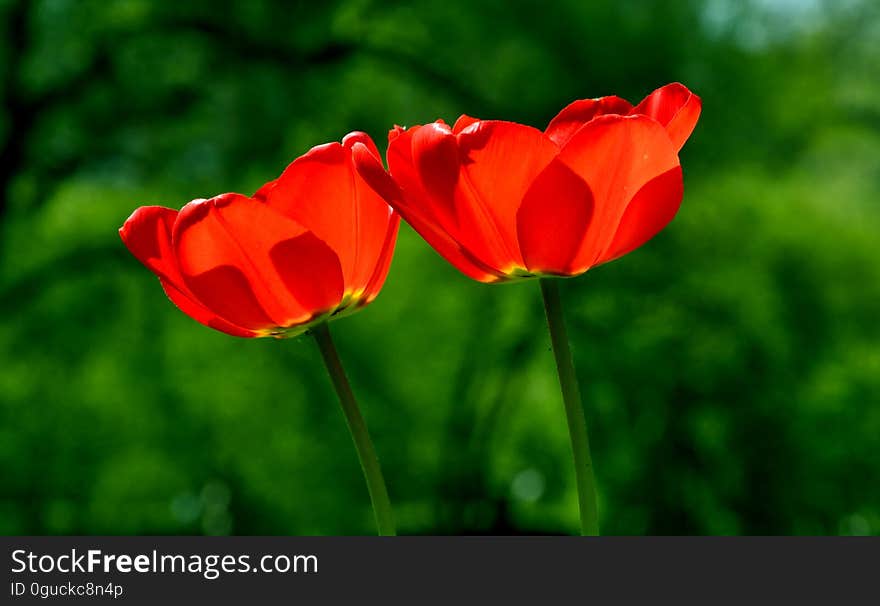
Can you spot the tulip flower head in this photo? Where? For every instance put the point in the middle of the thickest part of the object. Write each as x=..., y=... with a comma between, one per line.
x=503, y=201
x=315, y=243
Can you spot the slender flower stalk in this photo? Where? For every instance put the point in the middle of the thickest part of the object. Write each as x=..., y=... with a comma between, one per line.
x=358, y=428
x=574, y=411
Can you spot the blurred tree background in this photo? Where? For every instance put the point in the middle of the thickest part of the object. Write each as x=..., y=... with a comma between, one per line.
x=730, y=368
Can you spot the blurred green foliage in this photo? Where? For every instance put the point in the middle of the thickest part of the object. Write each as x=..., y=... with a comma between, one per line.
x=730, y=368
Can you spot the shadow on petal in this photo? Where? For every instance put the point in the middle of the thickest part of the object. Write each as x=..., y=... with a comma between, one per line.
x=226, y=291
x=437, y=160
x=310, y=271
x=553, y=219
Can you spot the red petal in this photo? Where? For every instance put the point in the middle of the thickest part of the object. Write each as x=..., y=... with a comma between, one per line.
x=649, y=212
x=323, y=191
x=616, y=156
x=378, y=280
x=437, y=162
x=147, y=234
x=252, y=265
x=676, y=108
x=263, y=193
x=418, y=208
x=370, y=169
x=462, y=123
x=553, y=220
x=499, y=162
x=357, y=136
x=576, y=114
x=395, y=132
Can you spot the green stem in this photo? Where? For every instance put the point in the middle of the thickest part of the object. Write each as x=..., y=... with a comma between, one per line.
x=574, y=411
x=358, y=428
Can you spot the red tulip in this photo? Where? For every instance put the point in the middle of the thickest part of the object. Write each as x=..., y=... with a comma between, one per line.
x=502, y=201
x=312, y=244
